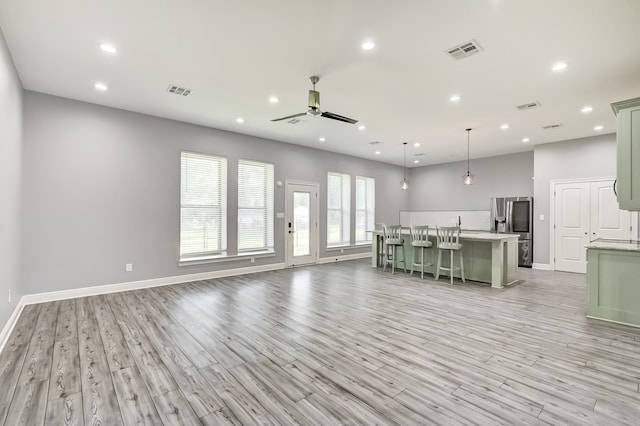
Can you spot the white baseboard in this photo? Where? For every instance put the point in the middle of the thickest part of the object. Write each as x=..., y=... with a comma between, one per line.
x=541, y=266
x=333, y=259
x=135, y=285
x=11, y=323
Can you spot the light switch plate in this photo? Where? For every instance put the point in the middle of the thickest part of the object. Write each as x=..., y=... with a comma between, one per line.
x=541, y=217
x=279, y=215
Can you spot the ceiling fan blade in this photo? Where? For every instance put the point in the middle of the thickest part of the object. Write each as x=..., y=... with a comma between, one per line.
x=290, y=116
x=339, y=117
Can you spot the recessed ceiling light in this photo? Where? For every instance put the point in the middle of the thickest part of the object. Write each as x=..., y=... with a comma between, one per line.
x=416, y=161
x=274, y=99
x=101, y=87
x=417, y=144
x=321, y=139
x=108, y=48
x=525, y=140
x=239, y=120
x=504, y=127
x=560, y=66
x=361, y=127
x=455, y=98
x=598, y=128
x=377, y=153
x=368, y=45
x=587, y=109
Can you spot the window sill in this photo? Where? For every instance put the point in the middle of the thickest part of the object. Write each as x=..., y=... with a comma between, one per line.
x=224, y=258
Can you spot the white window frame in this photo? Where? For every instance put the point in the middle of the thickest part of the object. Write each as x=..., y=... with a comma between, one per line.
x=369, y=210
x=218, y=208
x=266, y=208
x=344, y=209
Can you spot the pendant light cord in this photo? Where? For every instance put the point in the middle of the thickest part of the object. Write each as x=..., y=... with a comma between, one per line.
x=468, y=132
x=404, y=161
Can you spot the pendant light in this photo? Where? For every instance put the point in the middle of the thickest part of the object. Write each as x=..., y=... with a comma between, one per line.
x=467, y=178
x=404, y=183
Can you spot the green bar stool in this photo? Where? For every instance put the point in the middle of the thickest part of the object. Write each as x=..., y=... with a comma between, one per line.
x=393, y=242
x=420, y=242
x=449, y=239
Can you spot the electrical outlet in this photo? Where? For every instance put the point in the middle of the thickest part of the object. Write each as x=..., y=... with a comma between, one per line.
x=253, y=260
x=128, y=267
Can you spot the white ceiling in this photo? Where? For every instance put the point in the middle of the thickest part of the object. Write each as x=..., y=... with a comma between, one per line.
x=234, y=55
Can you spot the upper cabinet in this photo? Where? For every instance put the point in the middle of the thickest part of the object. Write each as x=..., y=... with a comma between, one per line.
x=628, y=138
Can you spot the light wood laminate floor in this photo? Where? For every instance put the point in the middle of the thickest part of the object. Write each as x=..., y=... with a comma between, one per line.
x=330, y=344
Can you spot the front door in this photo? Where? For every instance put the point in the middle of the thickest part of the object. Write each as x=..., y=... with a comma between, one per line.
x=301, y=223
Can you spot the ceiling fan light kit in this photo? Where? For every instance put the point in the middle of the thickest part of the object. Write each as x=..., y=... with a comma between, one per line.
x=314, y=107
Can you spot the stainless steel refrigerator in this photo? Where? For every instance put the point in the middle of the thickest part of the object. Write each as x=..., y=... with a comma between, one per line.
x=514, y=215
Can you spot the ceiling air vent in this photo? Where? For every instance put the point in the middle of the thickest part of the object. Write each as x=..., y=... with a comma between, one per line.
x=296, y=121
x=374, y=143
x=464, y=50
x=529, y=105
x=177, y=90
x=552, y=126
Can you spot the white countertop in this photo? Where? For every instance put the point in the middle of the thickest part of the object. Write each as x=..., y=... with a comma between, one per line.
x=472, y=235
x=623, y=245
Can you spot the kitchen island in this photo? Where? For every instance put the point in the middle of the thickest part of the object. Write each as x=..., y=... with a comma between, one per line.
x=613, y=278
x=488, y=257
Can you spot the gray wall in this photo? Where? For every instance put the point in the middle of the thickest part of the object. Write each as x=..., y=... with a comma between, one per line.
x=440, y=187
x=101, y=189
x=573, y=159
x=10, y=182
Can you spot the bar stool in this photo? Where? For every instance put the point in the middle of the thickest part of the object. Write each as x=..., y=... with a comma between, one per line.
x=420, y=240
x=393, y=241
x=379, y=235
x=448, y=239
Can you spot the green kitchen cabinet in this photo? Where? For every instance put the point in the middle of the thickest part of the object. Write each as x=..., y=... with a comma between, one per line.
x=628, y=146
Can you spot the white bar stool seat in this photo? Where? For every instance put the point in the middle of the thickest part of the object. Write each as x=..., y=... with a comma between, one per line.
x=393, y=242
x=449, y=239
x=420, y=242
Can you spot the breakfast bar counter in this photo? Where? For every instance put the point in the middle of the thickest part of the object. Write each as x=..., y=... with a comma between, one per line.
x=488, y=257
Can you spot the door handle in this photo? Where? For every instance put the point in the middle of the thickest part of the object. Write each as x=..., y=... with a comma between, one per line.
x=615, y=191
x=292, y=232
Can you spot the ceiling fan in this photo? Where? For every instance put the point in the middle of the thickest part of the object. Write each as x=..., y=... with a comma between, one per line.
x=314, y=107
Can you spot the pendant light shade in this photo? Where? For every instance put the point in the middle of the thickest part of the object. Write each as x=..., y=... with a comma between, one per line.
x=467, y=178
x=404, y=183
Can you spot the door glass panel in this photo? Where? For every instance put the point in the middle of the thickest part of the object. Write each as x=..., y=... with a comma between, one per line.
x=520, y=216
x=301, y=206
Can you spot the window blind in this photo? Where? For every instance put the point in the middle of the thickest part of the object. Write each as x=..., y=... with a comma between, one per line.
x=365, y=208
x=338, y=208
x=255, y=206
x=203, y=205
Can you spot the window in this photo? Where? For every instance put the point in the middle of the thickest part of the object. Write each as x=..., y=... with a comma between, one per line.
x=365, y=208
x=255, y=206
x=338, y=193
x=203, y=205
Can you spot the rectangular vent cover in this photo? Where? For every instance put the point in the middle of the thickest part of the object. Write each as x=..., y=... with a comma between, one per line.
x=375, y=143
x=296, y=121
x=464, y=50
x=530, y=105
x=177, y=90
x=552, y=126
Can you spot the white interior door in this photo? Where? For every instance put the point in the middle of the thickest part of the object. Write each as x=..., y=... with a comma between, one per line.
x=571, y=226
x=607, y=220
x=301, y=223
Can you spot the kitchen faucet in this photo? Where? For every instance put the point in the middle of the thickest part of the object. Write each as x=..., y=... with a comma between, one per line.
x=459, y=221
